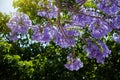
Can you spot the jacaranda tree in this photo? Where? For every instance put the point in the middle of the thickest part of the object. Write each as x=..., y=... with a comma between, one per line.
x=44, y=32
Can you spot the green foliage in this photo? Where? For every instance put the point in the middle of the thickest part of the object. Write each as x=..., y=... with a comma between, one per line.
x=4, y=46
x=47, y=63
x=90, y=4
x=3, y=20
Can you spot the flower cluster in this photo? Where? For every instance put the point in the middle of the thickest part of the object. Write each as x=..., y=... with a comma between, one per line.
x=116, y=22
x=49, y=12
x=108, y=6
x=63, y=42
x=79, y=1
x=81, y=20
x=19, y=24
x=98, y=50
x=73, y=63
x=66, y=40
x=99, y=25
x=99, y=28
x=45, y=34
x=41, y=34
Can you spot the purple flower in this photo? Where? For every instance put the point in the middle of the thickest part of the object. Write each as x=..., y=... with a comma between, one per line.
x=61, y=41
x=71, y=30
x=13, y=37
x=99, y=50
x=105, y=49
x=46, y=36
x=64, y=40
x=116, y=22
x=41, y=13
x=42, y=34
x=36, y=33
x=19, y=23
x=108, y=6
x=73, y=64
x=99, y=28
x=79, y=1
x=51, y=11
x=116, y=37
x=81, y=20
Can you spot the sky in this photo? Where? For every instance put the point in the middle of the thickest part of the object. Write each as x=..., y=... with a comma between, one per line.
x=6, y=6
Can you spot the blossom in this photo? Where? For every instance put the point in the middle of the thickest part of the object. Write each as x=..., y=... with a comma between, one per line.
x=62, y=41
x=51, y=11
x=19, y=23
x=65, y=39
x=81, y=20
x=42, y=34
x=78, y=1
x=116, y=37
x=73, y=63
x=13, y=37
x=98, y=50
x=108, y=6
x=99, y=28
x=116, y=22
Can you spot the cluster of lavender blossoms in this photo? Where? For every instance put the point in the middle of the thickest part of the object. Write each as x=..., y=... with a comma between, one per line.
x=43, y=35
x=108, y=6
x=49, y=12
x=99, y=50
x=73, y=63
x=19, y=24
x=98, y=22
x=99, y=28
